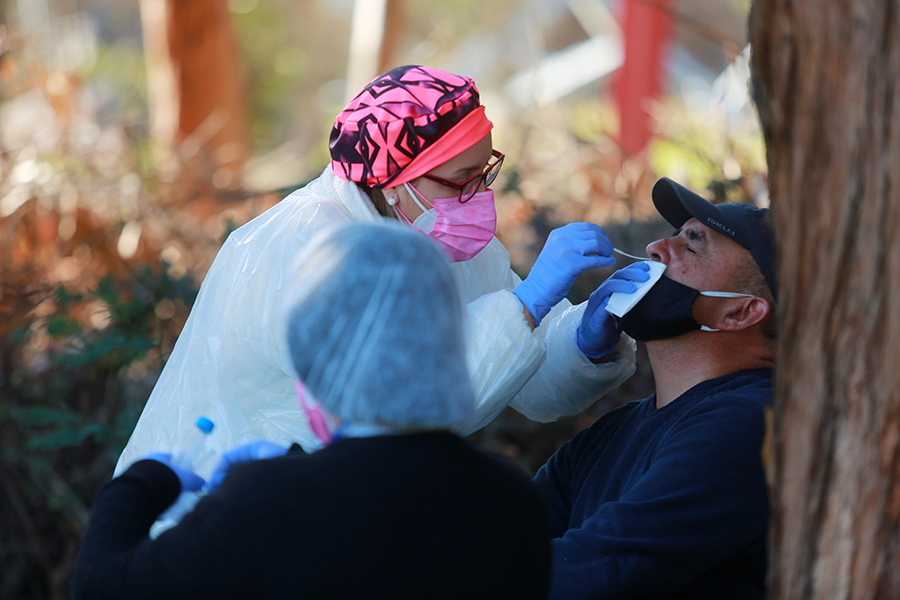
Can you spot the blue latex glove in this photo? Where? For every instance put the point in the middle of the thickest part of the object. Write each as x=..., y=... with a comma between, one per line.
x=569, y=251
x=599, y=332
x=255, y=450
x=190, y=481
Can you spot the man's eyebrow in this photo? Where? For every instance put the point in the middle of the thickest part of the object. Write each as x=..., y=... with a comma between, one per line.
x=695, y=234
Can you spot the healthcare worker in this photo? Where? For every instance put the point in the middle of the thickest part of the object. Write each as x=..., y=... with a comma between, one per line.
x=414, y=145
x=394, y=506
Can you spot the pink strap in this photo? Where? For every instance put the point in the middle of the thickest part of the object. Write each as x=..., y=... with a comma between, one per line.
x=317, y=421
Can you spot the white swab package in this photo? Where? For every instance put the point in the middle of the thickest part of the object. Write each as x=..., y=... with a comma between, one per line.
x=620, y=303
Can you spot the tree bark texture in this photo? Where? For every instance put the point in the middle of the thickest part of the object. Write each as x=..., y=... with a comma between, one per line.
x=197, y=102
x=826, y=77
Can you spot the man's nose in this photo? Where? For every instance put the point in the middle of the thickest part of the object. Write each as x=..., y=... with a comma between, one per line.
x=659, y=251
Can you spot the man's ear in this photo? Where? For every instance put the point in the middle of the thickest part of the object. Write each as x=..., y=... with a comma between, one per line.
x=742, y=313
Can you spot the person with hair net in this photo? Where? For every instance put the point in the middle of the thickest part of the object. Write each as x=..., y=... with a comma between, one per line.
x=413, y=146
x=394, y=506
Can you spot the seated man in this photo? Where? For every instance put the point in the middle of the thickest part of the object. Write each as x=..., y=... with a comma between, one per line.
x=394, y=506
x=665, y=497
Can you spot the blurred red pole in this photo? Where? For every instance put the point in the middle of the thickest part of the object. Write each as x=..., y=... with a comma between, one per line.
x=645, y=30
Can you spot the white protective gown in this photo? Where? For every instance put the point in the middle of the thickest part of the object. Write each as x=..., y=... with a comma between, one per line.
x=230, y=362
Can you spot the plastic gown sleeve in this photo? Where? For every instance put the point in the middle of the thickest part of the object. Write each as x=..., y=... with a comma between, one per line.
x=541, y=374
x=501, y=352
x=568, y=382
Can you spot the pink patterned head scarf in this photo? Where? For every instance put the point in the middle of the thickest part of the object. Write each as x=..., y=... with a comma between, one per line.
x=403, y=124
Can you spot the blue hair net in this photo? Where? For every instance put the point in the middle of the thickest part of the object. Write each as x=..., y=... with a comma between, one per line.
x=374, y=328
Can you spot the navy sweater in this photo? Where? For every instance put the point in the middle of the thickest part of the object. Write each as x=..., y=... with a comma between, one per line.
x=664, y=503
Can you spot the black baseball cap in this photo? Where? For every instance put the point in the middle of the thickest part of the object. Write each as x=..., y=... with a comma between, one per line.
x=746, y=224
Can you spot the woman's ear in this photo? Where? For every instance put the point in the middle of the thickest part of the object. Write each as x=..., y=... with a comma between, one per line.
x=393, y=194
x=402, y=199
x=742, y=313
x=390, y=195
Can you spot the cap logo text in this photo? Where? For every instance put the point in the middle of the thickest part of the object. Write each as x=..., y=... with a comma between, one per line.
x=720, y=226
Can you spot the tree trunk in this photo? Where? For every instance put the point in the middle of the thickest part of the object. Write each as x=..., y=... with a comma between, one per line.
x=197, y=104
x=827, y=84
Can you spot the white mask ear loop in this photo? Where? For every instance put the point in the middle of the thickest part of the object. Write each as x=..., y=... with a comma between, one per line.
x=726, y=295
x=415, y=196
x=722, y=295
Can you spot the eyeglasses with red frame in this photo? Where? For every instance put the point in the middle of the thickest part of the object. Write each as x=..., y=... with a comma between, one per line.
x=468, y=187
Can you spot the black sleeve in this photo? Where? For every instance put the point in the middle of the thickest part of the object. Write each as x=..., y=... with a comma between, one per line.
x=296, y=448
x=123, y=513
x=195, y=560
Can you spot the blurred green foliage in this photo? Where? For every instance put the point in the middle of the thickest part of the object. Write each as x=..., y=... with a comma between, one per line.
x=120, y=69
x=73, y=387
x=272, y=67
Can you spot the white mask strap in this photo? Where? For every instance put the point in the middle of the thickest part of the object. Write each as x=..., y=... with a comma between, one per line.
x=415, y=196
x=726, y=295
x=722, y=295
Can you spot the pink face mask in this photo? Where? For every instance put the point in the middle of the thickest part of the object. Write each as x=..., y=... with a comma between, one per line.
x=462, y=228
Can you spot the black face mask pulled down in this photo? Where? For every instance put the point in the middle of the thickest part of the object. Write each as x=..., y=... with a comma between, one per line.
x=664, y=312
